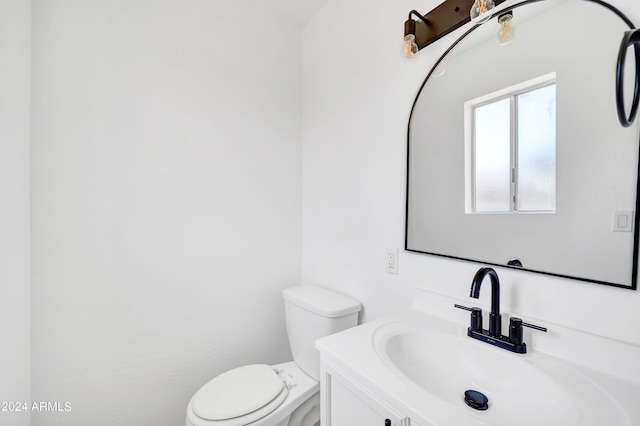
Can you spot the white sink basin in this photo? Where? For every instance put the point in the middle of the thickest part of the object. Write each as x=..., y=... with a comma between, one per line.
x=523, y=389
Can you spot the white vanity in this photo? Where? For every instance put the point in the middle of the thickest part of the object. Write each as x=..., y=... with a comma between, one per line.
x=414, y=368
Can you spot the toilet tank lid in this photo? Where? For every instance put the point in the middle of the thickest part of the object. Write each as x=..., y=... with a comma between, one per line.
x=321, y=301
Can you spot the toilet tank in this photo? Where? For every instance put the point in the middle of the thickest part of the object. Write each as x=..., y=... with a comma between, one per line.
x=311, y=313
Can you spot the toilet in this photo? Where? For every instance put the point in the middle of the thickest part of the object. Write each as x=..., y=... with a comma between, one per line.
x=284, y=394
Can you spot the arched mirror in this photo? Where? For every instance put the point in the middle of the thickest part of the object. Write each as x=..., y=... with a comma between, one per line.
x=515, y=153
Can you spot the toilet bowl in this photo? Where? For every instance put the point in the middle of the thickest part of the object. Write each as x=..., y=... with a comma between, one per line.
x=283, y=394
x=250, y=395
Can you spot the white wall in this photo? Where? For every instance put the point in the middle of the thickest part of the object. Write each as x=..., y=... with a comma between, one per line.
x=358, y=93
x=166, y=201
x=15, y=38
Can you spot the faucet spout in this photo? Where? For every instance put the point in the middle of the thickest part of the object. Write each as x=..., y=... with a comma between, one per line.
x=495, y=321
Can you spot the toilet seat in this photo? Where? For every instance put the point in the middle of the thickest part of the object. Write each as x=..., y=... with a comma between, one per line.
x=240, y=396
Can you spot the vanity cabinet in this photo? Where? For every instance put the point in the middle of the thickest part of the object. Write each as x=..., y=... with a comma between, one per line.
x=345, y=402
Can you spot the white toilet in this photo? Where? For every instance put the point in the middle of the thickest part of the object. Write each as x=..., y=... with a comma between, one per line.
x=284, y=394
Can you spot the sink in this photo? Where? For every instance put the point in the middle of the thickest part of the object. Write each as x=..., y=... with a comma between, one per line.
x=438, y=359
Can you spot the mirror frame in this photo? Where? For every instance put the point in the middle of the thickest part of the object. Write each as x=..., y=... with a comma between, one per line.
x=636, y=224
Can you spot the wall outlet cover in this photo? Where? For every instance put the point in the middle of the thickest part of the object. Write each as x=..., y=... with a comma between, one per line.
x=623, y=221
x=391, y=260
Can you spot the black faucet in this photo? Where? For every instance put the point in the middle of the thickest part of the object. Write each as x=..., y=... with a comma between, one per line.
x=495, y=320
x=493, y=336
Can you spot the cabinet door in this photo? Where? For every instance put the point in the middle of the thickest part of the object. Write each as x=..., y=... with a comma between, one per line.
x=345, y=403
x=348, y=409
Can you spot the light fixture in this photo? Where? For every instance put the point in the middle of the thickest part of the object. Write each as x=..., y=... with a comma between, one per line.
x=448, y=16
x=409, y=46
x=506, y=30
x=481, y=11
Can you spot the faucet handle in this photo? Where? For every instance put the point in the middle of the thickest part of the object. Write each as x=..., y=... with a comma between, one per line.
x=466, y=308
x=476, y=317
x=515, y=330
x=535, y=327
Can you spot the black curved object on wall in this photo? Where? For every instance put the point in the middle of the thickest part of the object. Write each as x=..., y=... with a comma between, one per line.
x=631, y=38
x=633, y=34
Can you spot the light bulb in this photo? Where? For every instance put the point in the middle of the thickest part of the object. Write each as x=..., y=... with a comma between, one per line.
x=481, y=11
x=506, y=30
x=409, y=46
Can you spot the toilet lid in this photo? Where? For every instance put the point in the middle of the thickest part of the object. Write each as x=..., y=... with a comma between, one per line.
x=238, y=392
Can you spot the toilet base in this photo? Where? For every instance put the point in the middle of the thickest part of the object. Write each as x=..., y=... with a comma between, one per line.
x=307, y=414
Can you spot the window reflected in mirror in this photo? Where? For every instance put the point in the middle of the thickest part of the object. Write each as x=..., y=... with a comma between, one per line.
x=512, y=144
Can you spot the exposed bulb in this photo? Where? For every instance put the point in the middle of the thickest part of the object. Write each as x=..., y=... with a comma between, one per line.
x=506, y=30
x=481, y=11
x=409, y=47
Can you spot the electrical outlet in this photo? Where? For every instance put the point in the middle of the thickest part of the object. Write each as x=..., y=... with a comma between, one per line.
x=623, y=221
x=391, y=261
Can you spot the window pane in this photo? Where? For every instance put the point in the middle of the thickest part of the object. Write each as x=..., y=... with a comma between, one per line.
x=537, y=150
x=492, y=157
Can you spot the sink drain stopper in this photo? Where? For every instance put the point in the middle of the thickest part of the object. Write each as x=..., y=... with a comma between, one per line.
x=476, y=400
